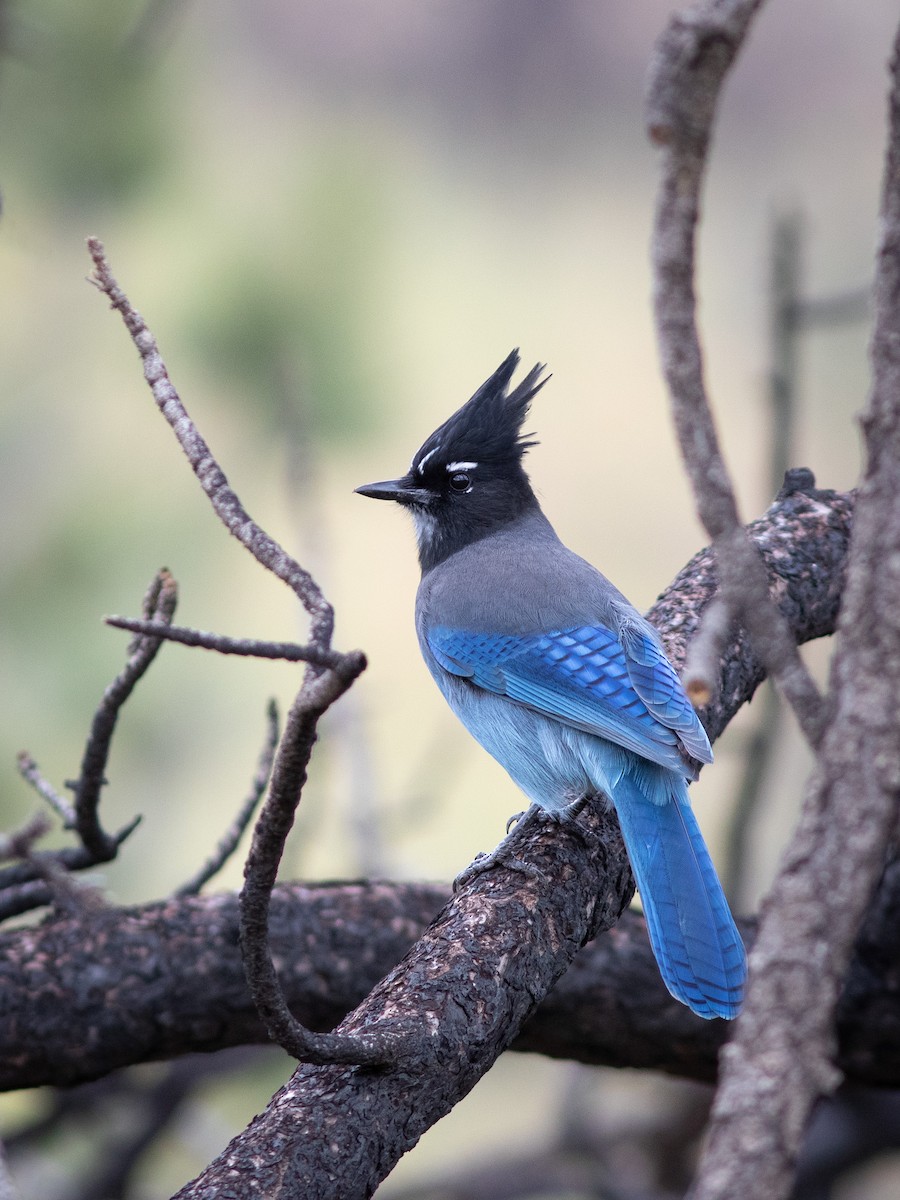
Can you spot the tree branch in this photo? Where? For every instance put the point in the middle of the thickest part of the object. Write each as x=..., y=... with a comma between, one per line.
x=689, y=66
x=40, y=877
x=223, y=499
x=781, y=1058
x=242, y=647
x=166, y=980
x=320, y=688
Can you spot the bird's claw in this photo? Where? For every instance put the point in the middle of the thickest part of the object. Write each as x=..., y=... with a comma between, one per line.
x=515, y=819
x=498, y=857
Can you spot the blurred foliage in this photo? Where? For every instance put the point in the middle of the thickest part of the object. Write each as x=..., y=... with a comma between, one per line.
x=280, y=318
x=82, y=110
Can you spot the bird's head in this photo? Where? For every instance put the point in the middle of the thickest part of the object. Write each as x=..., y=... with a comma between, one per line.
x=467, y=480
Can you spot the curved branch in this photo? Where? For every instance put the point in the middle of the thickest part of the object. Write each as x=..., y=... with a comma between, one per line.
x=690, y=63
x=226, y=504
x=320, y=688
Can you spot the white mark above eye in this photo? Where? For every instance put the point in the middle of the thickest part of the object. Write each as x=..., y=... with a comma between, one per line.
x=461, y=466
x=420, y=467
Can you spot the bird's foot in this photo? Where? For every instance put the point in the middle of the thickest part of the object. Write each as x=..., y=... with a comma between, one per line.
x=500, y=856
x=574, y=810
x=569, y=816
x=515, y=819
x=503, y=856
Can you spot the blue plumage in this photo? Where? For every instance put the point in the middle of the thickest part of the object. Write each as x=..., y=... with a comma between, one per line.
x=560, y=678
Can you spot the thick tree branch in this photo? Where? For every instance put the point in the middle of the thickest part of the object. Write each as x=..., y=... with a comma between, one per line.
x=166, y=980
x=781, y=1058
x=458, y=998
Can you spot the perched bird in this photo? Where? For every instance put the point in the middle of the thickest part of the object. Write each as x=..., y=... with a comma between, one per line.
x=559, y=678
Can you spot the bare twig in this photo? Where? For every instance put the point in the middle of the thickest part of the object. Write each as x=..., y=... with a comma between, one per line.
x=244, y=647
x=228, y=844
x=46, y=867
x=31, y=773
x=159, y=605
x=780, y=1060
x=785, y=308
x=703, y=663
x=321, y=687
x=20, y=843
x=25, y=886
x=691, y=61
x=42, y=876
x=225, y=502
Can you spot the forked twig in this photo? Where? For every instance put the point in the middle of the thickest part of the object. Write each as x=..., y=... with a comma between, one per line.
x=40, y=877
x=159, y=605
x=323, y=682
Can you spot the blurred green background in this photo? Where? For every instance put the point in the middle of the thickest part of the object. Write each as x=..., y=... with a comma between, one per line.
x=337, y=219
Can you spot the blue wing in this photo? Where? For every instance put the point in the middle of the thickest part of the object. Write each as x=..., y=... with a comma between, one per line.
x=619, y=688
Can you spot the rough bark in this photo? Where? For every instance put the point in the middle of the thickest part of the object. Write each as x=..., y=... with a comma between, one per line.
x=166, y=979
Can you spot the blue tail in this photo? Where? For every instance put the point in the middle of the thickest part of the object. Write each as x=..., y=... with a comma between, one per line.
x=698, y=949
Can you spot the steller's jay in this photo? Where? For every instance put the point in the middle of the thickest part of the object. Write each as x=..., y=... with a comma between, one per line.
x=559, y=678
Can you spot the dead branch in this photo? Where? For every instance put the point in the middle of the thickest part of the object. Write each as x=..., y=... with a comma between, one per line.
x=468, y=985
x=321, y=687
x=782, y=1057
x=690, y=63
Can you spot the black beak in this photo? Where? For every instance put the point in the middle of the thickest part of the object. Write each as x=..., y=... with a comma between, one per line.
x=404, y=491
x=390, y=489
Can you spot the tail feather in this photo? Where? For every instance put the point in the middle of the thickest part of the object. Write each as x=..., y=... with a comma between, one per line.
x=697, y=946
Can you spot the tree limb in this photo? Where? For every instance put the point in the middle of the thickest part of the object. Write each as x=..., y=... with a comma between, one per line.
x=690, y=63
x=320, y=688
x=781, y=1058
x=164, y=980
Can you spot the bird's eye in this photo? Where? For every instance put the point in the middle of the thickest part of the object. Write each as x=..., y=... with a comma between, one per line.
x=460, y=481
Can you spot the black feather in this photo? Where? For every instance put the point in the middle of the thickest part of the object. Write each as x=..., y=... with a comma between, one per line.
x=487, y=429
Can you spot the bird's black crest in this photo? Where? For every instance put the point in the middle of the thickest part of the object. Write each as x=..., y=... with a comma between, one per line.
x=487, y=429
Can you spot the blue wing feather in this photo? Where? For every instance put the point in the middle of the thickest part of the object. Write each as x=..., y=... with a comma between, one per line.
x=585, y=678
x=660, y=688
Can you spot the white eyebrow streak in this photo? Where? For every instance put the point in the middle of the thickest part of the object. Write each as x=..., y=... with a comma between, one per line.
x=461, y=466
x=421, y=466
